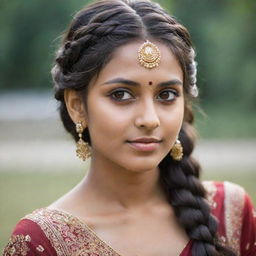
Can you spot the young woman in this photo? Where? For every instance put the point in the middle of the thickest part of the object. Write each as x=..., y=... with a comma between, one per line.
x=125, y=76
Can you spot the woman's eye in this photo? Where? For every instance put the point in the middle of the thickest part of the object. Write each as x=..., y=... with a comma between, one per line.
x=120, y=95
x=168, y=95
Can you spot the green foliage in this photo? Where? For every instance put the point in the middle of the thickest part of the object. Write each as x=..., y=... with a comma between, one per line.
x=29, y=35
x=226, y=121
x=224, y=35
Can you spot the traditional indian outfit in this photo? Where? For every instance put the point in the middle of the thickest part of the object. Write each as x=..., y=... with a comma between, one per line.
x=53, y=232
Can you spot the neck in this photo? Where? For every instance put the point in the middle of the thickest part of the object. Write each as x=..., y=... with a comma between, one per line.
x=122, y=188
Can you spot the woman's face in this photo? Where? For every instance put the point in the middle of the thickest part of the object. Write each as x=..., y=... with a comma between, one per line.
x=128, y=102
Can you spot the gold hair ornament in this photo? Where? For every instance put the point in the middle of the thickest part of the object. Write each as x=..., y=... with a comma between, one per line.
x=149, y=55
x=177, y=151
x=82, y=147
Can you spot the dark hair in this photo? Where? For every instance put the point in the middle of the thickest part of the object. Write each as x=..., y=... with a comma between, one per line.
x=89, y=44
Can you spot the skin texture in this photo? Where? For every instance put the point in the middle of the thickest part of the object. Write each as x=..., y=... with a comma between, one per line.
x=120, y=198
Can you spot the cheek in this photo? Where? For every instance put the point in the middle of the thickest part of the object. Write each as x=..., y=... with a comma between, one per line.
x=174, y=116
x=106, y=122
x=172, y=122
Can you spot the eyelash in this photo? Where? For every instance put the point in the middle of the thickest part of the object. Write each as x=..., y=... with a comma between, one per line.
x=173, y=91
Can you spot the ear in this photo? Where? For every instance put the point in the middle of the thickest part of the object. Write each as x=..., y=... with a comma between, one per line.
x=75, y=106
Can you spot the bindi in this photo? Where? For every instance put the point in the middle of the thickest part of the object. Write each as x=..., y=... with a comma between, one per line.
x=150, y=83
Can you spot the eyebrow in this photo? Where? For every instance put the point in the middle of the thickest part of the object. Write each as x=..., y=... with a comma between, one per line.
x=133, y=83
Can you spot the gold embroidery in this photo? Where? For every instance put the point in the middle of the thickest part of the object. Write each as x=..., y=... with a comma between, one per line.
x=68, y=235
x=40, y=248
x=49, y=225
x=27, y=238
x=211, y=190
x=17, y=246
x=254, y=213
x=234, y=203
x=223, y=240
x=247, y=246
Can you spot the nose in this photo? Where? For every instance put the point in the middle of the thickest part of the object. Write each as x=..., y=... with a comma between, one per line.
x=147, y=116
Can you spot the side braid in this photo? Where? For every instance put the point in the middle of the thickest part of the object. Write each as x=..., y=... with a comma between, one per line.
x=185, y=192
x=180, y=180
x=93, y=36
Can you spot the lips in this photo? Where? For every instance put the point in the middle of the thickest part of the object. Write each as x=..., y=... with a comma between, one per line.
x=145, y=144
x=145, y=140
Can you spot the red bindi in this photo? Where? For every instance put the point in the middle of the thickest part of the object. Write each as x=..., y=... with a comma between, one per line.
x=150, y=83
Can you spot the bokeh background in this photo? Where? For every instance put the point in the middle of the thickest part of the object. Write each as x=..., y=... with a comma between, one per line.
x=37, y=159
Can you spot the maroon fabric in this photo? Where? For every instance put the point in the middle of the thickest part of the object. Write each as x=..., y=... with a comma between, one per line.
x=248, y=237
x=187, y=249
x=28, y=238
x=219, y=210
x=33, y=243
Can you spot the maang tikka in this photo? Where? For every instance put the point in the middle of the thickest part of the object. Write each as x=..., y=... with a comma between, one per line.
x=82, y=147
x=149, y=55
x=177, y=151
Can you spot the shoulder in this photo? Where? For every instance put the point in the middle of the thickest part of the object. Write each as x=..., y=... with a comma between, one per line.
x=223, y=187
x=63, y=233
x=28, y=239
x=233, y=207
x=38, y=233
x=227, y=201
x=225, y=192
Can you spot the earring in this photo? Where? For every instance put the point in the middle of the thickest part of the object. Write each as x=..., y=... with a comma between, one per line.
x=82, y=147
x=177, y=151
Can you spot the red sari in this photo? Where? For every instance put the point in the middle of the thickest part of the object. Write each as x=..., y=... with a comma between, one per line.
x=53, y=232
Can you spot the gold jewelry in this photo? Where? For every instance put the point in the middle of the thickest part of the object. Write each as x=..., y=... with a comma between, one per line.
x=82, y=147
x=149, y=55
x=177, y=151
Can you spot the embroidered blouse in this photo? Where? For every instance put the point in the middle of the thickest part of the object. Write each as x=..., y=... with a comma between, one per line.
x=53, y=232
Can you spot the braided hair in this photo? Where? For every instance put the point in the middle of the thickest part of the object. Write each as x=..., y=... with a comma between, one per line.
x=87, y=47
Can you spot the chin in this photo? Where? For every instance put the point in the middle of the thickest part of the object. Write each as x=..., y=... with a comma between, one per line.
x=143, y=165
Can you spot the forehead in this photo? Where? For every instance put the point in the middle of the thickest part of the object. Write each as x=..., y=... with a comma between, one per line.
x=125, y=63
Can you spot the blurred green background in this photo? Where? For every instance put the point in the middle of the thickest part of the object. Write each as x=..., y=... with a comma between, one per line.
x=223, y=32
x=224, y=35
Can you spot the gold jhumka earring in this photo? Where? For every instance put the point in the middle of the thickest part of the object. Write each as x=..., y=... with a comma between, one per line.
x=149, y=55
x=82, y=147
x=177, y=151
